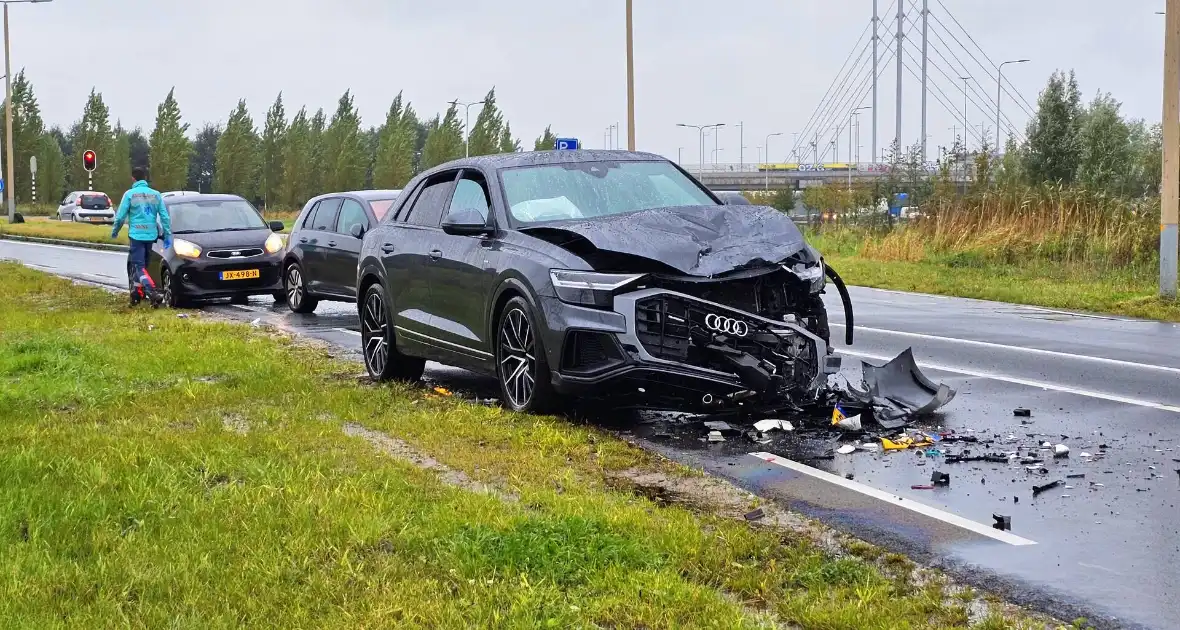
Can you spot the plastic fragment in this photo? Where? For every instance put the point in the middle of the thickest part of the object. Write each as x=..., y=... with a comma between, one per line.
x=772, y=425
x=846, y=449
x=1003, y=522
x=921, y=487
x=755, y=514
x=715, y=436
x=442, y=391
x=1022, y=412
x=1048, y=486
x=1061, y=450
x=940, y=478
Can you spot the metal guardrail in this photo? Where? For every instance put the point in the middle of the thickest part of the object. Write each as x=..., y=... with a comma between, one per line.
x=867, y=168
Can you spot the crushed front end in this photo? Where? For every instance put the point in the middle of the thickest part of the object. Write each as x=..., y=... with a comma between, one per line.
x=754, y=338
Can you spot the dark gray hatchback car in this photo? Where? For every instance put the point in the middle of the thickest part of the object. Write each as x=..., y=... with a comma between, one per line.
x=325, y=242
x=605, y=274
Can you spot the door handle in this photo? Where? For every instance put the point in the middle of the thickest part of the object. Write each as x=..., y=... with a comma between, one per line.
x=435, y=254
x=331, y=243
x=387, y=248
x=303, y=240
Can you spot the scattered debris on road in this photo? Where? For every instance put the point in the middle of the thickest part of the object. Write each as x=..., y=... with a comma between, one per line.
x=755, y=514
x=1048, y=486
x=1021, y=412
x=847, y=449
x=940, y=478
x=766, y=426
x=1003, y=522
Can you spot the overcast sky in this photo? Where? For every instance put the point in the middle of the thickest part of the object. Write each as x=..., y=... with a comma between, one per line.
x=764, y=63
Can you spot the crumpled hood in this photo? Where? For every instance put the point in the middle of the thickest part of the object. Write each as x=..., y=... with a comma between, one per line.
x=695, y=240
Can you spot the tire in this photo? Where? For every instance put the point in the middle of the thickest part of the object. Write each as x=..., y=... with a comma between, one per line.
x=297, y=298
x=383, y=361
x=280, y=297
x=521, y=367
x=172, y=296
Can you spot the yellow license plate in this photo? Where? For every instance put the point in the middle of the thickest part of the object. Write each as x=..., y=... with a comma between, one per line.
x=244, y=274
x=96, y=219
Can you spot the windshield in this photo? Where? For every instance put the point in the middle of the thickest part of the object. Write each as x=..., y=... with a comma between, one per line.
x=381, y=206
x=214, y=216
x=586, y=190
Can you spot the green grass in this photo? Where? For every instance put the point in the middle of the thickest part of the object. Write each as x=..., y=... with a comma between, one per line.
x=1129, y=290
x=50, y=228
x=166, y=472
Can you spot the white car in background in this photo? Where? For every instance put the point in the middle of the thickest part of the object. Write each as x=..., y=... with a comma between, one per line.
x=86, y=206
x=179, y=193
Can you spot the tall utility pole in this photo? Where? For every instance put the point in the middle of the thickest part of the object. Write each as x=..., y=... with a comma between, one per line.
x=741, y=155
x=999, y=86
x=873, y=155
x=768, y=137
x=1170, y=193
x=900, y=38
x=466, y=123
x=966, y=123
x=9, y=184
x=852, y=117
x=630, y=84
x=925, y=32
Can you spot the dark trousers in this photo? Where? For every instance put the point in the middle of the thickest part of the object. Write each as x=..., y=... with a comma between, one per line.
x=138, y=280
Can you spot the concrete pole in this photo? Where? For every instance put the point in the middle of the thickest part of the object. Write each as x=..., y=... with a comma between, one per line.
x=876, y=58
x=1170, y=193
x=630, y=84
x=8, y=184
x=741, y=142
x=925, y=20
x=900, y=39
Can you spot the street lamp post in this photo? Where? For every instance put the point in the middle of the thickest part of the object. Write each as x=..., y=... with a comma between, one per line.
x=741, y=149
x=767, y=145
x=467, y=123
x=8, y=111
x=965, y=122
x=630, y=84
x=701, y=130
x=999, y=86
x=851, y=116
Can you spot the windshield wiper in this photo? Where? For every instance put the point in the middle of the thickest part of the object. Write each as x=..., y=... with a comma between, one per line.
x=235, y=229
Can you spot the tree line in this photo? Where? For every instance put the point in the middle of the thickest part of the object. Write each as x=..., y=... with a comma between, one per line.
x=285, y=163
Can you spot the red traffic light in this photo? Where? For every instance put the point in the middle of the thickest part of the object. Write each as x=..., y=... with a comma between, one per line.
x=89, y=160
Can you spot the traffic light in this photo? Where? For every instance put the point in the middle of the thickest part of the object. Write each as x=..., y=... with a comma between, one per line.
x=89, y=160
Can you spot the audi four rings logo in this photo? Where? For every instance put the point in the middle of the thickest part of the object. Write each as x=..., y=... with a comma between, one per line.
x=727, y=325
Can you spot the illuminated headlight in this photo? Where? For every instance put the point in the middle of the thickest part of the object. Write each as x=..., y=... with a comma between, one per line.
x=589, y=288
x=813, y=276
x=185, y=249
x=274, y=243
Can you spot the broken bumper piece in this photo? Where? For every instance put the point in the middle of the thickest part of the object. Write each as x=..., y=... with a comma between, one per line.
x=898, y=391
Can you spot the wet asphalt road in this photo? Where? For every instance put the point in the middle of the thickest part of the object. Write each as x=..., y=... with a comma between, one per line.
x=1105, y=546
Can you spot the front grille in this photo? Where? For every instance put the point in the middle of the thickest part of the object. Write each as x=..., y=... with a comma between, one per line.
x=587, y=351
x=673, y=328
x=246, y=252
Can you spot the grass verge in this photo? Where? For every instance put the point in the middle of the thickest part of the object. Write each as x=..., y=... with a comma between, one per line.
x=167, y=472
x=49, y=228
x=1129, y=290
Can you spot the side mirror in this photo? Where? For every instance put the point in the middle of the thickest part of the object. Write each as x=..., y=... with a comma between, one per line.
x=357, y=230
x=276, y=226
x=465, y=223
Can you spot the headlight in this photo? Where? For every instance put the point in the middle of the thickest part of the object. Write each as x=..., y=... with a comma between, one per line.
x=185, y=249
x=813, y=276
x=589, y=288
x=274, y=243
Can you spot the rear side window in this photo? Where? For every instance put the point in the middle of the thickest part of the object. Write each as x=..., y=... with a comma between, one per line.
x=309, y=219
x=325, y=216
x=381, y=207
x=428, y=207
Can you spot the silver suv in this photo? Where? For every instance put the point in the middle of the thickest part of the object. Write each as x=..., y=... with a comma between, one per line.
x=86, y=206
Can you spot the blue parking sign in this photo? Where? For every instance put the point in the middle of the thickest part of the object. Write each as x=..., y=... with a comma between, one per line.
x=566, y=144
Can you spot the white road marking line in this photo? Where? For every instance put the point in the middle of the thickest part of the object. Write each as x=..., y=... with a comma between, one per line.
x=1000, y=346
x=66, y=247
x=1042, y=309
x=347, y=331
x=1028, y=382
x=902, y=502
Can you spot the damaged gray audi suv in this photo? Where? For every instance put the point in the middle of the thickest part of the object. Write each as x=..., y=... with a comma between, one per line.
x=595, y=274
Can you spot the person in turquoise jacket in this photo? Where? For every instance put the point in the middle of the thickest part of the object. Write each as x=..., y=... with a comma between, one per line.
x=143, y=209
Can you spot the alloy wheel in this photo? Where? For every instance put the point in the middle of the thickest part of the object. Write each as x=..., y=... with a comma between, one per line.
x=518, y=362
x=375, y=334
x=294, y=287
x=166, y=288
